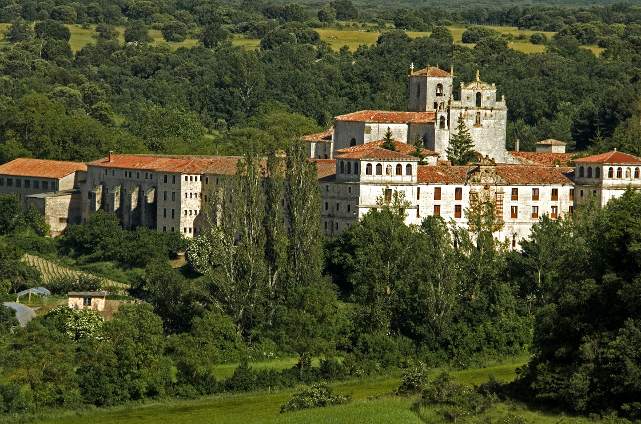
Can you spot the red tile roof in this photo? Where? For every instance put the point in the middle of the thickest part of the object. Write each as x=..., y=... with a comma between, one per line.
x=325, y=167
x=432, y=71
x=442, y=174
x=543, y=158
x=375, y=152
x=612, y=157
x=321, y=136
x=389, y=117
x=221, y=165
x=511, y=174
x=26, y=167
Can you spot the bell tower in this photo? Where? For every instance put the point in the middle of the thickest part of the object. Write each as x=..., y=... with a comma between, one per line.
x=430, y=89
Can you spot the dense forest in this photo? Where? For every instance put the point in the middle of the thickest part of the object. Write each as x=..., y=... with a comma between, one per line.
x=264, y=283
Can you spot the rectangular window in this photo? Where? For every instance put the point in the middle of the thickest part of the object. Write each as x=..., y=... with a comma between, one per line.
x=515, y=194
x=418, y=193
x=535, y=212
x=437, y=193
x=173, y=214
x=437, y=210
x=457, y=211
x=164, y=196
x=1, y=181
x=62, y=220
x=173, y=196
x=326, y=206
x=18, y=183
x=164, y=213
x=164, y=179
x=555, y=194
x=186, y=179
x=36, y=184
x=9, y=182
x=555, y=212
x=571, y=210
x=86, y=301
x=27, y=183
x=418, y=212
x=164, y=229
x=388, y=195
x=338, y=207
x=458, y=193
x=45, y=185
x=571, y=194
x=535, y=194
x=514, y=212
x=173, y=181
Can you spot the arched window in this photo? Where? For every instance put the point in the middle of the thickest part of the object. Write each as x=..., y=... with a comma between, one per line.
x=349, y=167
x=628, y=173
x=439, y=89
x=388, y=170
x=619, y=172
x=355, y=167
x=636, y=172
x=399, y=169
x=342, y=167
x=610, y=172
x=581, y=172
x=352, y=142
x=368, y=169
x=598, y=172
x=477, y=122
x=379, y=169
x=478, y=99
x=408, y=169
x=441, y=122
x=589, y=172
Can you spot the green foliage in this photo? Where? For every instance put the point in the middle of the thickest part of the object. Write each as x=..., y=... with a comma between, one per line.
x=136, y=32
x=19, y=31
x=475, y=34
x=14, y=274
x=413, y=380
x=538, y=38
x=388, y=140
x=586, y=344
x=316, y=396
x=68, y=283
x=7, y=320
x=52, y=30
x=174, y=31
x=77, y=324
x=214, y=35
x=461, y=148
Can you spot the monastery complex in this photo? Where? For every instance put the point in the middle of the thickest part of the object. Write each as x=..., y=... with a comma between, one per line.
x=357, y=171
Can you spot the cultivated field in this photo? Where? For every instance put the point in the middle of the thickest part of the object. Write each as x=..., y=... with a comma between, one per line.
x=51, y=271
x=373, y=402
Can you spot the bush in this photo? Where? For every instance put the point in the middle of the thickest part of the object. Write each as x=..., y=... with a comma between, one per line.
x=475, y=34
x=413, y=380
x=538, y=38
x=174, y=31
x=69, y=283
x=316, y=396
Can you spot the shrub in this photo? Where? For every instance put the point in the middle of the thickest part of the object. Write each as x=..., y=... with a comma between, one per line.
x=538, y=38
x=474, y=34
x=332, y=369
x=67, y=283
x=413, y=380
x=243, y=379
x=316, y=396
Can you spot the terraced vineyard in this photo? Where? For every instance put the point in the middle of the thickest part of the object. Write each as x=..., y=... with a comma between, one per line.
x=51, y=271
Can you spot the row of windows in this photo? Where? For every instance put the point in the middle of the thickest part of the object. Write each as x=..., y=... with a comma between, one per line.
x=536, y=194
x=166, y=177
x=587, y=171
x=554, y=212
x=338, y=207
x=27, y=183
x=388, y=169
x=191, y=212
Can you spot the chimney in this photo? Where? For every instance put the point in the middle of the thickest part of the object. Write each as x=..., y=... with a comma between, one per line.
x=517, y=145
x=111, y=152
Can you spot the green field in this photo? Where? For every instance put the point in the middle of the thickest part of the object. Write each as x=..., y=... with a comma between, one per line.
x=373, y=402
x=336, y=38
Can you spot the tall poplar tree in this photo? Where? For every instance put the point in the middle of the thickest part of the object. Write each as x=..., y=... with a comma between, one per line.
x=461, y=148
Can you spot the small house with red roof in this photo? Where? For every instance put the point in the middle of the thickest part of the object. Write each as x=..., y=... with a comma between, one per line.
x=605, y=176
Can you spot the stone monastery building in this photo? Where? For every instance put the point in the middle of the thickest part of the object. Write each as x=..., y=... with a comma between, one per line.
x=356, y=172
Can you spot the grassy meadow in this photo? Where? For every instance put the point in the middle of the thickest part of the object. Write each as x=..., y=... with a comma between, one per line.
x=337, y=38
x=373, y=402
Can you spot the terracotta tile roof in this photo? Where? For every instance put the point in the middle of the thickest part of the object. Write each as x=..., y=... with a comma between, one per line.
x=442, y=174
x=325, y=167
x=399, y=146
x=532, y=174
x=221, y=165
x=511, y=174
x=432, y=71
x=375, y=152
x=390, y=117
x=26, y=167
x=612, y=157
x=543, y=158
x=551, y=142
x=321, y=136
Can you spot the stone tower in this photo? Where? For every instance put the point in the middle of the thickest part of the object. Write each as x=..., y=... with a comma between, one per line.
x=429, y=89
x=485, y=117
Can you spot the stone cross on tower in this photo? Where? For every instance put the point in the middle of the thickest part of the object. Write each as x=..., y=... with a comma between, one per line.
x=411, y=68
x=478, y=75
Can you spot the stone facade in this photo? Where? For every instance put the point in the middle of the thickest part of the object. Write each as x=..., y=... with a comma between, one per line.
x=87, y=300
x=60, y=209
